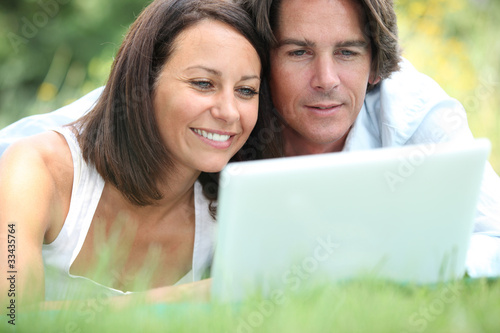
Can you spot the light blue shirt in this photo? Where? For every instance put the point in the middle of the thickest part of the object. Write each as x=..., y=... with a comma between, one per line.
x=411, y=108
x=408, y=108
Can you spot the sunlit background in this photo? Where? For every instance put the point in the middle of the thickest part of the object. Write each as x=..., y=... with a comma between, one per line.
x=55, y=51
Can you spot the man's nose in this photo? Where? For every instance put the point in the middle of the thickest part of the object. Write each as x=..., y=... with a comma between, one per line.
x=325, y=76
x=225, y=107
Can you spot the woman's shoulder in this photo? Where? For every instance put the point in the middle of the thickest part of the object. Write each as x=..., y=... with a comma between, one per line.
x=46, y=151
x=37, y=172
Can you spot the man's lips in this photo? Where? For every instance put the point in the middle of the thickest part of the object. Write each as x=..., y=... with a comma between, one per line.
x=324, y=108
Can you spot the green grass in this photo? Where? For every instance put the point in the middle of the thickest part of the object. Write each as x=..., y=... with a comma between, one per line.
x=359, y=306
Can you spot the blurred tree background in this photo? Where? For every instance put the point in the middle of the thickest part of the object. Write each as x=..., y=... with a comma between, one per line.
x=54, y=51
x=456, y=42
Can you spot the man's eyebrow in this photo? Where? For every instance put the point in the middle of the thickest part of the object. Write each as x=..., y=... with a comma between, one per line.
x=308, y=43
x=353, y=43
x=296, y=42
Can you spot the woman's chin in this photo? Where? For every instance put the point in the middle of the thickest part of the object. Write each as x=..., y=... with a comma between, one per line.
x=212, y=168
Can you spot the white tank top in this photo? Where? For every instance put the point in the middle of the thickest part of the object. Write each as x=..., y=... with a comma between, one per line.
x=59, y=255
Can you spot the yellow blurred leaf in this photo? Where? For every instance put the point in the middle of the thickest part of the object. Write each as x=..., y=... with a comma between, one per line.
x=46, y=92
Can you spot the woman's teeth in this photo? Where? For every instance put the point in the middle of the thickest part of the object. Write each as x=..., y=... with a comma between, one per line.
x=212, y=136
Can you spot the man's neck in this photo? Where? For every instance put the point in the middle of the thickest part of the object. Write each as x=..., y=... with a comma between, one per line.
x=297, y=145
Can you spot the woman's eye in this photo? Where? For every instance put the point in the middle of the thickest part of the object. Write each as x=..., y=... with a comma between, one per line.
x=202, y=84
x=247, y=92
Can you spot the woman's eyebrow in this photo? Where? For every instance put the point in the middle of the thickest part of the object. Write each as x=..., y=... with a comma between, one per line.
x=250, y=77
x=210, y=70
x=219, y=73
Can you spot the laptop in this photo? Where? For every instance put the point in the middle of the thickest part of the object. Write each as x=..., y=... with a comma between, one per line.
x=401, y=214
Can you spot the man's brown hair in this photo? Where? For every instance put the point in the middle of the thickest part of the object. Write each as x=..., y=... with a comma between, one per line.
x=380, y=28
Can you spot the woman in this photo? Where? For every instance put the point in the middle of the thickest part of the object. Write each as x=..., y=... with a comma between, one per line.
x=125, y=181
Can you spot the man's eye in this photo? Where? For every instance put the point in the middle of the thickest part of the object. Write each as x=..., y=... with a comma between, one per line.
x=297, y=53
x=347, y=53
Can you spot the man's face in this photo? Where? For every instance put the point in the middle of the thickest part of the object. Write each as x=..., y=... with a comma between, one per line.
x=319, y=72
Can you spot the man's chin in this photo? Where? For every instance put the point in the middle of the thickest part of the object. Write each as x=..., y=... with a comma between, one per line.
x=310, y=142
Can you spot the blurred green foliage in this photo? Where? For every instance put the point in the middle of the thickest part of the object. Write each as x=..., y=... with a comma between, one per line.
x=54, y=51
x=455, y=42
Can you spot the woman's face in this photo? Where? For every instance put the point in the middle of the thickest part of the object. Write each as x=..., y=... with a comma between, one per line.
x=206, y=96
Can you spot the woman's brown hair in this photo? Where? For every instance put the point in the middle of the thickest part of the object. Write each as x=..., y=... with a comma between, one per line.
x=120, y=135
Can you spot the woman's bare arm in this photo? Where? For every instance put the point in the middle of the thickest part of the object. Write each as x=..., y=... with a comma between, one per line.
x=196, y=292
x=34, y=198
x=27, y=195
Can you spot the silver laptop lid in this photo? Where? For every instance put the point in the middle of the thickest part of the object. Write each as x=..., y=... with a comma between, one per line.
x=403, y=214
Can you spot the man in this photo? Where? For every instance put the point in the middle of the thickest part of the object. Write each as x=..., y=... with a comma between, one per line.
x=325, y=56
x=338, y=84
